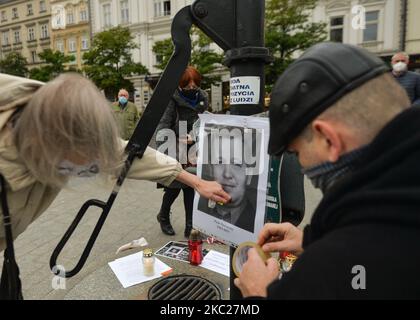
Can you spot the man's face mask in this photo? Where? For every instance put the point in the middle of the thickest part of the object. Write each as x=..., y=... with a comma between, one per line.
x=400, y=67
x=122, y=100
x=68, y=168
x=325, y=174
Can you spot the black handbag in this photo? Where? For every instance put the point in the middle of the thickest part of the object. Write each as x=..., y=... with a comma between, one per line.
x=10, y=285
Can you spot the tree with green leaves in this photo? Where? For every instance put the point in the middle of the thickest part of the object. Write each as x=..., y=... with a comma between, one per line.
x=54, y=64
x=289, y=31
x=109, y=63
x=206, y=60
x=163, y=50
x=15, y=64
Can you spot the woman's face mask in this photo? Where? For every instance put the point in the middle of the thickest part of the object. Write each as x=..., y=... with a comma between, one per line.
x=68, y=168
x=190, y=91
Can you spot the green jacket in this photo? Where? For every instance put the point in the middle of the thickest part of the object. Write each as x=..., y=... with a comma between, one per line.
x=126, y=118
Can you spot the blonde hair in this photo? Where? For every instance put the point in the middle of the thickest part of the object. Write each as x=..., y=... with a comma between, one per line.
x=370, y=107
x=67, y=117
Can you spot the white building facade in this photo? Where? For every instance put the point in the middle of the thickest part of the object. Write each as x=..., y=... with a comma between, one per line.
x=149, y=22
x=382, y=33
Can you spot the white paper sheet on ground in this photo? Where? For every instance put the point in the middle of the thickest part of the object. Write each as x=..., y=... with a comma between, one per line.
x=129, y=270
x=217, y=262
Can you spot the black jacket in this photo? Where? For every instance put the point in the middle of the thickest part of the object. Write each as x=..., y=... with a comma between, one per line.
x=180, y=110
x=246, y=220
x=370, y=218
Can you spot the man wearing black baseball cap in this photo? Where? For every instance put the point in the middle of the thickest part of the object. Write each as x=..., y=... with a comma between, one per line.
x=349, y=123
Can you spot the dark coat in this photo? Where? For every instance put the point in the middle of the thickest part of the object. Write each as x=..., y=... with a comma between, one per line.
x=370, y=218
x=246, y=220
x=180, y=110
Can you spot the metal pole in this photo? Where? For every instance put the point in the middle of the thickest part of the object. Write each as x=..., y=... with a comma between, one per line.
x=237, y=26
x=246, y=62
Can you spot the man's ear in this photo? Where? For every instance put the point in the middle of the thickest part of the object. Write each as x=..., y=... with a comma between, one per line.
x=328, y=139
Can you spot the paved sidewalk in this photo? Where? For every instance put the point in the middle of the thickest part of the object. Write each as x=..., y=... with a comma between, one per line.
x=133, y=216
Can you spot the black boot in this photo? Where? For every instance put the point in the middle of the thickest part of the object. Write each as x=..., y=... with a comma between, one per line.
x=188, y=225
x=165, y=223
x=187, y=231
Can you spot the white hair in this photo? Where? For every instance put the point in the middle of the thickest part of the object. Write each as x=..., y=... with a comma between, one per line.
x=67, y=117
x=401, y=53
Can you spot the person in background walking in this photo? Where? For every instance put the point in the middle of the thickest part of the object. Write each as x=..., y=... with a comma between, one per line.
x=126, y=114
x=186, y=104
x=410, y=81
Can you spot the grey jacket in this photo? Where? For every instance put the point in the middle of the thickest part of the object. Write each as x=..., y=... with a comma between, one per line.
x=410, y=81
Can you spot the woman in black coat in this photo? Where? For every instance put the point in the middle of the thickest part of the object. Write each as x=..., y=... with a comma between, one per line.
x=186, y=104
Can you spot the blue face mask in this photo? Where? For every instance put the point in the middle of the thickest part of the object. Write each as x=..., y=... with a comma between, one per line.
x=122, y=100
x=68, y=168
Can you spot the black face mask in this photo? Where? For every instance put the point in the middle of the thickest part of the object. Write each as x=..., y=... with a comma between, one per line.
x=324, y=175
x=190, y=93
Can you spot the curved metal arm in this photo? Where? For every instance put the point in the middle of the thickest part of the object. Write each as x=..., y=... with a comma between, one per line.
x=72, y=228
x=106, y=207
x=141, y=137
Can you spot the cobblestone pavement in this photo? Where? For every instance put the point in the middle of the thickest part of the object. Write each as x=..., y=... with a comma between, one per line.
x=133, y=216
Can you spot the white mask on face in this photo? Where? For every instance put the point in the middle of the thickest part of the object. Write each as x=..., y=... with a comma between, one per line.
x=68, y=168
x=400, y=67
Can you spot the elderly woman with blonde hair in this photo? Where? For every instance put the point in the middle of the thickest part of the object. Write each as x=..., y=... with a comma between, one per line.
x=49, y=132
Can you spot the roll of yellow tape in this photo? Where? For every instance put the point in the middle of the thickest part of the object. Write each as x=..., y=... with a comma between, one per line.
x=240, y=256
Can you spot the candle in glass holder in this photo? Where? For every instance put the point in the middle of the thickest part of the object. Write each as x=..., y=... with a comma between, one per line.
x=148, y=262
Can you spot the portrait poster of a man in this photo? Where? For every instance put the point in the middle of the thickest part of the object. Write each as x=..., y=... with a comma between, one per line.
x=232, y=151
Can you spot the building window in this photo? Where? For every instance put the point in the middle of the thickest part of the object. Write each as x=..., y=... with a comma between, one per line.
x=159, y=59
x=83, y=15
x=31, y=34
x=33, y=57
x=3, y=16
x=44, y=31
x=372, y=22
x=166, y=8
x=72, y=45
x=124, y=11
x=146, y=97
x=162, y=8
x=17, y=36
x=5, y=38
x=158, y=8
x=60, y=46
x=15, y=13
x=30, y=9
x=336, y=29
x=70, y=16
x=85, y=43
x=42, y=7
x=106, y=9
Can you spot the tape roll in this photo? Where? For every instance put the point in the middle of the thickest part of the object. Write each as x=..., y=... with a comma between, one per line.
x=240, y=256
